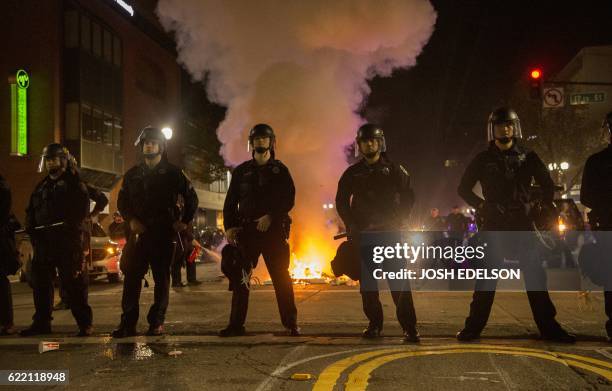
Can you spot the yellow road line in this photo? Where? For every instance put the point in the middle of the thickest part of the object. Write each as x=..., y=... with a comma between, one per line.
x=591, y=360
x=358, y=378
x=330, y=375
x=585, y=358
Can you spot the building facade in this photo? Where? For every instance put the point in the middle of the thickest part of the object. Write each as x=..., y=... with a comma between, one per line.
x=98, y=71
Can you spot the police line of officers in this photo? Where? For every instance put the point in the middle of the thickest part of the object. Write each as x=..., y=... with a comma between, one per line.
x=158, y=202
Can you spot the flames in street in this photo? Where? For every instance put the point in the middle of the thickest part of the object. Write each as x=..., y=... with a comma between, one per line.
x=311, y=260
x=305, y=269
x=310, y=264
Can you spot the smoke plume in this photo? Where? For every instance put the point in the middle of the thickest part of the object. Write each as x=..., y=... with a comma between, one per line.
x=302, y=67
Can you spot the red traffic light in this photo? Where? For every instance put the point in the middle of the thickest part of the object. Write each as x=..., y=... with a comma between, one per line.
x=535, y=73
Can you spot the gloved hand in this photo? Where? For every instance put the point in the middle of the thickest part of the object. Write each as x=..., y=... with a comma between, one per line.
x=179, y=226
x=351, y=231
x=136, y=226
x=232, y=235
x=490, y=210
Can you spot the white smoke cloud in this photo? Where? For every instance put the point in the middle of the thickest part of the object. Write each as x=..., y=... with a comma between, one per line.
x=302, y=67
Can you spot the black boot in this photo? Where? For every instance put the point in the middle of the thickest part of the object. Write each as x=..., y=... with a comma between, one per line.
x=412, y=336
x=62, y=305
x=232, y=331
x=558, y=335
x=467, y=335
x=86, y=331
x=123, y=331
x=156, y=331
x=36, y=329
x=372, y=332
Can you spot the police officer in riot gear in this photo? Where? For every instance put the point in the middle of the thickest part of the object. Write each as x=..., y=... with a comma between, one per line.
x=58, y=206
x=596, y=193
x=505, y=171
x=147, y=201
x=374, y=194
x=256, y=220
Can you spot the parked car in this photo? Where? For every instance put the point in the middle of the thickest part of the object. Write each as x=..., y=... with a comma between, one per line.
x=102, y=256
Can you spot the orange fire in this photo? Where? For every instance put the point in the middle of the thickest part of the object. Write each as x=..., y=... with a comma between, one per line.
x=311, y=261
x=305, y=269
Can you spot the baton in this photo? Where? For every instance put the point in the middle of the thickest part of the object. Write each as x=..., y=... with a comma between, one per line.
x=180, y=240
x=41, y=227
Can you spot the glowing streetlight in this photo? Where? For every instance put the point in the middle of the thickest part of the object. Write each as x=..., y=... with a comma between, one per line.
x=167, y=131
x=564, y=165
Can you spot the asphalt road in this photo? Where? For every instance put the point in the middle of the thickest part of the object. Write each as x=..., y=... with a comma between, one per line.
x=330, y=355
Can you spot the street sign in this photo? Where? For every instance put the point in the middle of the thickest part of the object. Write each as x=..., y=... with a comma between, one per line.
x=553, y=97
x=588, y=97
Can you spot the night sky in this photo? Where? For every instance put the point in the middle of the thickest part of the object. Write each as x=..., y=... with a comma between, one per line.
x=478, y=51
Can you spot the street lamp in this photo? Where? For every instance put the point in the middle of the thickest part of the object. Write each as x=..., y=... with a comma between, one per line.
x=167, y=131
x=564, y=165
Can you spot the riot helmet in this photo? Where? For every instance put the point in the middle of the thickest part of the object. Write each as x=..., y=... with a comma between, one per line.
x=368, y=132
x=503, y=115
x=52, y=151
x=151, y=133
x=262, y=130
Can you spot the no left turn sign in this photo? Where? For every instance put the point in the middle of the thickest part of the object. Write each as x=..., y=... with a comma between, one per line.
x=553, y=97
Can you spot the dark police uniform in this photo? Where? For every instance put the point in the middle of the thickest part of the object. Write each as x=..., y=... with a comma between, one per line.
x=381, y=200
x=457, y=225
x=596, y=193
x=505, y=177
x=150, y=196
x=7, y=257
x=62, y=200
x=100, y=201
x=256, y=191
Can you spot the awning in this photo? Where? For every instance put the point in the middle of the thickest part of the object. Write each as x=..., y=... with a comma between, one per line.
x=104, y=181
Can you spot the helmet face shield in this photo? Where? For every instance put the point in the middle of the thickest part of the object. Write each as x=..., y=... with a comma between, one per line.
x=516, y=124
x=262, y=130
x=51, y=151
x=150, y=133
x=370, y=132
x=41, y=164
x=504, y=115
x=607, y=122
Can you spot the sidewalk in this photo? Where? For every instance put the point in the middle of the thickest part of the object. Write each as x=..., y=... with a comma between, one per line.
x=323, y=310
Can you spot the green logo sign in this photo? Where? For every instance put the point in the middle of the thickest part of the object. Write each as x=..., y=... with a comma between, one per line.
x=19, y=113
x=23, y=79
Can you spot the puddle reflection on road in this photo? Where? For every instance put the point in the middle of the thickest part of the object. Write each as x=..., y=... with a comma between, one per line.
x=139, y=351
